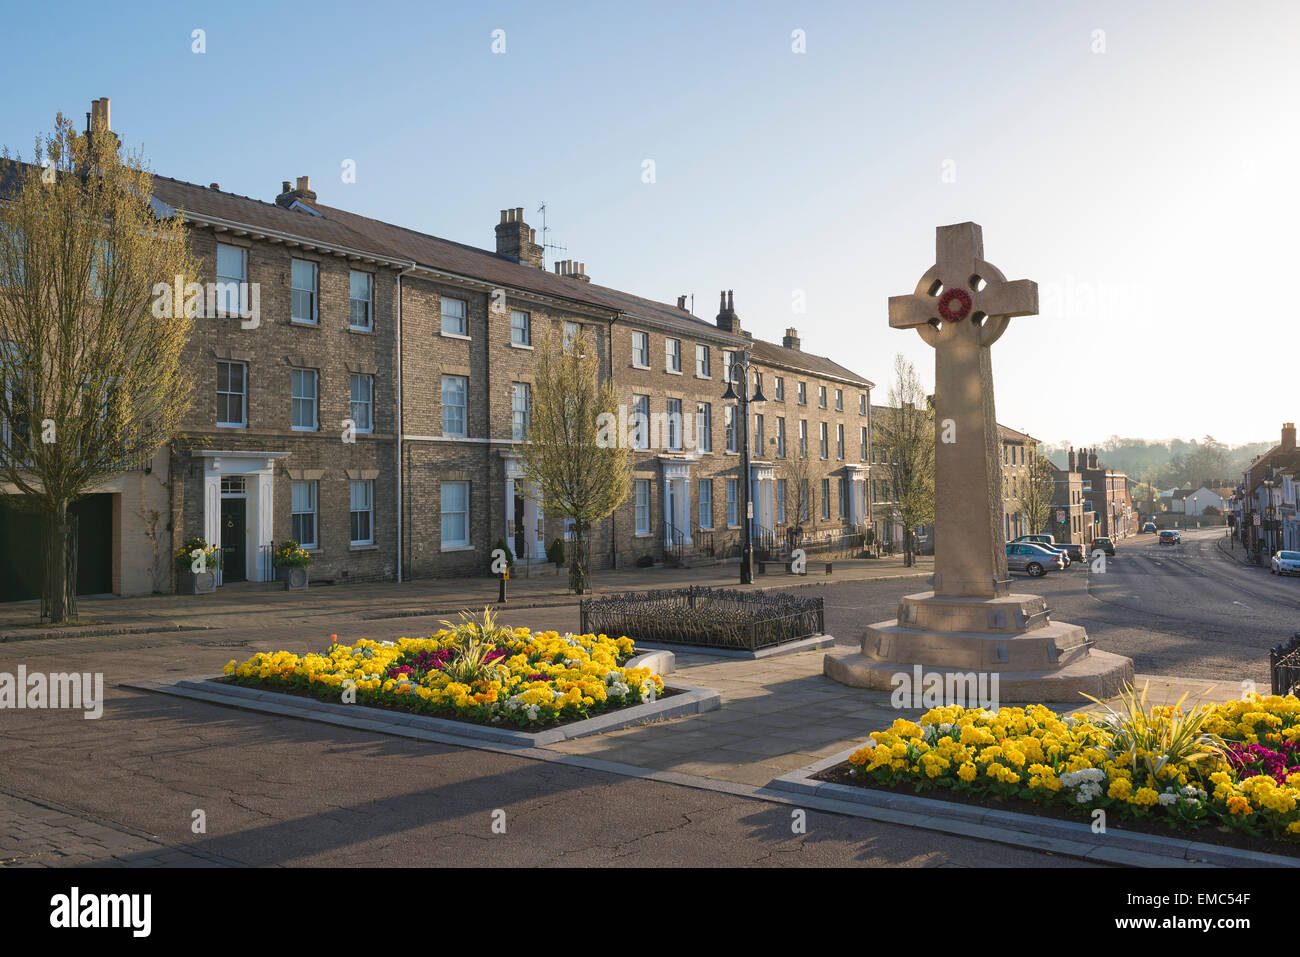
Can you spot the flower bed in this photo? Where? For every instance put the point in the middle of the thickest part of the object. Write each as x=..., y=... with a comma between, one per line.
x=1233, y=765
x=475, y=671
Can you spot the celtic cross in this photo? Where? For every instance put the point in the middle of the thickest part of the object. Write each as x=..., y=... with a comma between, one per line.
x=961, y=306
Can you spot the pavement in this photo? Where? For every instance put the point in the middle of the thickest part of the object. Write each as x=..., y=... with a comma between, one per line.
x=236, y=604
x=122, y=790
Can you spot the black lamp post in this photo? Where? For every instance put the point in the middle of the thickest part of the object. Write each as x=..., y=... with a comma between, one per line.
x=741, y=362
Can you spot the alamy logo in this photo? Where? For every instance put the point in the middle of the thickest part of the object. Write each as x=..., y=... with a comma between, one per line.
x=74, y=910
x=57, y=690
x=190, y=299
x=935, y=689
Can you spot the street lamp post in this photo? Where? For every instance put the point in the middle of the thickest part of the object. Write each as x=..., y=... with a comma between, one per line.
x=1269, y=512
x=741, y=362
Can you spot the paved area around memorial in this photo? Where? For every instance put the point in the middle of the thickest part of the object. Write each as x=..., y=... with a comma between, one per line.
x=123, y=789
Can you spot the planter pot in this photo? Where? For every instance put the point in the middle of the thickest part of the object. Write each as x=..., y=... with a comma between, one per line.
x=293, y=576
x=204, y=583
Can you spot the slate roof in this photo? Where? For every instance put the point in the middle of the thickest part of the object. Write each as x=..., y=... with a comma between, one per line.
x=377, y=239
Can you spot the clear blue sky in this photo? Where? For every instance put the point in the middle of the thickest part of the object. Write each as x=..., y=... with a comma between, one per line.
x=1149, y=189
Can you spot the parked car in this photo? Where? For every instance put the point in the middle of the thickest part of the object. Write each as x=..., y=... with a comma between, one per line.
x=1104, y=544
x=1077, y=553
x=1033, y=559
x=1149, y=527
x=1286, y=563
x=1046, y=541
x=1171, y=537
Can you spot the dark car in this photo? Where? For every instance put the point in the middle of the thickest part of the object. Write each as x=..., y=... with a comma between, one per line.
x=1077, y=553
x=1149, y=527
x=1171, y=537
x=1103, y=544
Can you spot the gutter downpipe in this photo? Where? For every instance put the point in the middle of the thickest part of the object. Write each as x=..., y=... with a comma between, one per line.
x=401, y=433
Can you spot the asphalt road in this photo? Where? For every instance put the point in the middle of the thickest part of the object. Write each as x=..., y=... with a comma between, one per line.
x=1184, y=610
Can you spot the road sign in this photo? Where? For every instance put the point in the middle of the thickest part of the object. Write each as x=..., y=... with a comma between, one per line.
x=1060, y=516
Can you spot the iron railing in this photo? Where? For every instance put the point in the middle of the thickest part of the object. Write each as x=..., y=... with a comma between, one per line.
x=1284, y=666
x=710, y=617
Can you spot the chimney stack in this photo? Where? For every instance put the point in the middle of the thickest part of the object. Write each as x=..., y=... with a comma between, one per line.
x=1288, y=436
x=516, y=241
x=572, y=269
x=99, y=120
x=1070, y=463
x=727, y=318
x=1092, y=459
x=791, y=339
x=303, y=190
x=681, y=302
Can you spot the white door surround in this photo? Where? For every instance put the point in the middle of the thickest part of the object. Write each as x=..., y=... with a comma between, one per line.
x=259, y=488
x=677, y=499
x=534, y=515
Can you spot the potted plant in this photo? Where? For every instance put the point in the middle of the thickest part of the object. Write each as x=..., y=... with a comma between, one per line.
x=291, y=561
x=196, y=566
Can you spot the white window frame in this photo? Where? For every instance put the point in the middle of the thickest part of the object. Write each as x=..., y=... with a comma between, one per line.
x=641, y=506
x=672, y=354
x=459, y=323
x=368, y=302
x=367, y=487
x=521, y=419
x=313, y=292
x=243, y=404
x=296, y=377
x=570, y=334
x=444, y=511
x=704, y=426
x=704, y=495
x=313, y=494
x=674, y=421
x=702, y=369
x=824, y=441
x=224, y=279
x=527, y=328
x=826, y=499
x=641, y=349
x=733, y=434
x=780, y=501
x=463, y=432
x=733, y=503
x=367, y=403
x=779, y=384
x=640, y=422
x=780, y=436
x=803, y=393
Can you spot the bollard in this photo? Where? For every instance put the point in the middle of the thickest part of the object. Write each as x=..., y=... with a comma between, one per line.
x=501, y=589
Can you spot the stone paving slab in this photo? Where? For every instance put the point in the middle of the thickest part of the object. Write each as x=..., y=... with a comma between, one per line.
x=42, y=834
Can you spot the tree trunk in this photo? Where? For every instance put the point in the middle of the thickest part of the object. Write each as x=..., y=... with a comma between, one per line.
x=578, y=560
x=58, y=551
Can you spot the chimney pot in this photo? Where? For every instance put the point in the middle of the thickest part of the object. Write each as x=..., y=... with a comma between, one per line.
x=304, y=183
x=519, y=214
x=214, y=186
x=284, y=186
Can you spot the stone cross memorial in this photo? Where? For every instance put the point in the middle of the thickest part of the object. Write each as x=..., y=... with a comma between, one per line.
x=971, y=622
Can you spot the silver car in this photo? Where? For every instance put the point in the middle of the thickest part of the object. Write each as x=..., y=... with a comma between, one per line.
x=1033, y=560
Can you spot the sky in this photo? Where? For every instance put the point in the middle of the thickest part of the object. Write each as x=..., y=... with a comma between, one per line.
x=1138, y=161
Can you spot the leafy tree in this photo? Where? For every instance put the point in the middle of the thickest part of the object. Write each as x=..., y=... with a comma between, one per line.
x=573, y=459
x=1035, y=493
x=92, y=377
x=905, y=433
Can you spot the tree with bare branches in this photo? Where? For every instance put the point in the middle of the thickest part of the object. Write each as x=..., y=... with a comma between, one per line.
x=573, y=457
x=905, y=434
x=92, y=376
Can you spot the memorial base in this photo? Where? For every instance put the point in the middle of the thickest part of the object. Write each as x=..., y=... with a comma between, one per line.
x=1035, y=659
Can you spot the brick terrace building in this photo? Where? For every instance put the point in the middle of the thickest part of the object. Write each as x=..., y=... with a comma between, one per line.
x=364, y=388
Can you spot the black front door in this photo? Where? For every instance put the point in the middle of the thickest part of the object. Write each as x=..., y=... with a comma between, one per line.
x=519, y=526
x=233, y=512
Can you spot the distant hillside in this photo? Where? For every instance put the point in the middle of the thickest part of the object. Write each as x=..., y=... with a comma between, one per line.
x=1171, y=462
